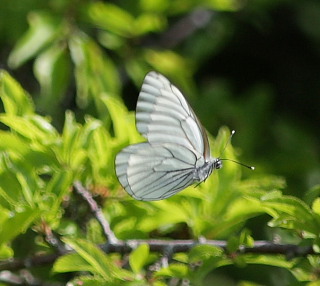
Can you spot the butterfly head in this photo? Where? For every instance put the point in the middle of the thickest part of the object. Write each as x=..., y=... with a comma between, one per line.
x=217, y=164
x=204, y=171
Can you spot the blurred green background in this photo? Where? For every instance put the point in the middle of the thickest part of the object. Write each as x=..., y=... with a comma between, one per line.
x=253, y=66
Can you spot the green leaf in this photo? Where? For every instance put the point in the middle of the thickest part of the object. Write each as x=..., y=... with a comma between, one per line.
x=85, y=280
x=71, y=151
x=176, y=270
x=16, y=101
x=273, y=260
x=52, y=69
x=10, y=188
x=95, y=73
x=316, y=206
x=242, y=209
x=57, y=188
x=147, y=23
x=97, y=261
x=13, y=143
x=156, y=6
x=111, y=18
x=139, y=257
x=316, y=245
x=5, y=252
x=177, y=68
x=100, y=153
x=110, y=41
x=312, y=194
x=203, y=252
x=122, y=120
x=306, y=269
x=72, y=262
x=292, y=213
x=16, y=223
x=233, y=244
x=207, y=266
x=44, y=27
x=167, y=212
x=19, y=183
x=60, y=183
x=37, y=156
x=32, y=127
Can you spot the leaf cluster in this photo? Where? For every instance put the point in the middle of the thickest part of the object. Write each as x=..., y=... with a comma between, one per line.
x=39, y=165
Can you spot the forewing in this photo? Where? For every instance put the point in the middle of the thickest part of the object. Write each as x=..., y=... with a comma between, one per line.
x=154, y=172
x=164, y=116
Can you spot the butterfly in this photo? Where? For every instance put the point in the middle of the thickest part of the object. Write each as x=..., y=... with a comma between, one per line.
x=177, y=152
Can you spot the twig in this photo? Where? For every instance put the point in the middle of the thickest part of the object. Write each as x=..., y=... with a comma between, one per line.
x=181, y=30
x=96, y=210
x=53, y=240
x=160, y=245
x=25, y=278
x=38, y=260
x=185, y=27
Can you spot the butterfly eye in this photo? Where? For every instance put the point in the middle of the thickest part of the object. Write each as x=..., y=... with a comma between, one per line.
x=218, y=164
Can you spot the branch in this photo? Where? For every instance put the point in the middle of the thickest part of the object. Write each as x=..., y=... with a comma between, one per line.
x=96, y=210
x=116, y=245
x=161, y=245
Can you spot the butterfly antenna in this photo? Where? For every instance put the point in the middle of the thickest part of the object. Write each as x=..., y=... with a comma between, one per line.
x=228, y=142
x=239, y=163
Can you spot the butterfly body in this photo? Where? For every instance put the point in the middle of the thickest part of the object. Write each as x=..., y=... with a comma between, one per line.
x=204, y=171
x=177, y=153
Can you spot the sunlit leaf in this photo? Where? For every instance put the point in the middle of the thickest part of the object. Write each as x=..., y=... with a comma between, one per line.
x=139, y=257
x=292, y=213
x=111, y=18
x=95, y=73
x=5, y=252
x=176, y=270
x=33, y=128
x=72, y=262
x=20, y=220
x=44, y=27
x=16, y=101
x=97, y=261
x=203, y=252
x=52, y=69
x=316, y=206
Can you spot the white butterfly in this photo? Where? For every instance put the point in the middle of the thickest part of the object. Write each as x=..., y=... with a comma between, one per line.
x=177, y=153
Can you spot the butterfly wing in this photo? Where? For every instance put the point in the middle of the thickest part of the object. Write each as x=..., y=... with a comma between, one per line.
x=177, y=144
x=155, y=172
x=163, y=115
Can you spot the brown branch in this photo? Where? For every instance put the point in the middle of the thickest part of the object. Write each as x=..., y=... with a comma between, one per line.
x=161, y=245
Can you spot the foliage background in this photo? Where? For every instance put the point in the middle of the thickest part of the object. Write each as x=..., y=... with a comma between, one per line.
x=252, y=66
